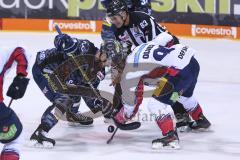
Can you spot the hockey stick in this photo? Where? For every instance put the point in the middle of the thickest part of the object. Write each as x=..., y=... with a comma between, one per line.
x=10, y=103
x=58, y=29
x=127, y=127
x=111, y=138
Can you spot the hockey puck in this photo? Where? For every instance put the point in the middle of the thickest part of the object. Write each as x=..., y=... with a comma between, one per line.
x=111, y=129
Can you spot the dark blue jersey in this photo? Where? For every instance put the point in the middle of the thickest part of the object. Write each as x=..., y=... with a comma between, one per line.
x=49, y=60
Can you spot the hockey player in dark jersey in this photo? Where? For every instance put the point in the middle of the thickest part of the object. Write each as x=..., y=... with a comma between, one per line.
x=134, y=28
x=10, y=125
x=46, y=62
x=133, y=5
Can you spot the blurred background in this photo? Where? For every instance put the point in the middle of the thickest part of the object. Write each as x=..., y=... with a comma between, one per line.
x=86, y=16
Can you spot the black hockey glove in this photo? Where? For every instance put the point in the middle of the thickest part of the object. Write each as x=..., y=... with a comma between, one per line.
x=18, y=87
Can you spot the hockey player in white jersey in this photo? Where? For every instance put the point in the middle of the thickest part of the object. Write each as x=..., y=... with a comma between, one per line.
x=175, y=65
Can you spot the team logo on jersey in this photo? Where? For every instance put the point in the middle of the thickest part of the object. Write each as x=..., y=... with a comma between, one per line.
x=8, y=132
x=5, y=129
x=45, y=90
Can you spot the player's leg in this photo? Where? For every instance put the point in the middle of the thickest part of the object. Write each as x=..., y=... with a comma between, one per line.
x=180, y=112
x=181, y=115
x=189, y=102
x=194, y=109
x=74, y=117
x=164, y=118
x=76, y=104
x=10, y=133
x=49, y=119
x=186, y=86
x=50, y=116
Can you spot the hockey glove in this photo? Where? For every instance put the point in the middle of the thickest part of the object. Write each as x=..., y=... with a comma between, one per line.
x=18, y=87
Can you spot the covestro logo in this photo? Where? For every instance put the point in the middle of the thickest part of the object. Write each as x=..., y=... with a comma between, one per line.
x=83, y=26
x=214, y=31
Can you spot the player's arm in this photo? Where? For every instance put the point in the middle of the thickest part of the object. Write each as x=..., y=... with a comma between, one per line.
x=154, y=32
x=158, y=34
x=48, y=57
x=107, y=31
x=19, y=85
x=19, y=56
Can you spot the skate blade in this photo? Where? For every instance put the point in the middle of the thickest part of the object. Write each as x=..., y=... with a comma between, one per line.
x=201, y=130
x=171, y=146
x=73, y=124
x=45, y=145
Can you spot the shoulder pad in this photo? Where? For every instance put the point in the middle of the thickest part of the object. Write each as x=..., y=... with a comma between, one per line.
x=44, y=54
x=84, y=46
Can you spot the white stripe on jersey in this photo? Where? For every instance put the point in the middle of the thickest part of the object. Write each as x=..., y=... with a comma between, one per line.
x=177, y=56
x=154, y=34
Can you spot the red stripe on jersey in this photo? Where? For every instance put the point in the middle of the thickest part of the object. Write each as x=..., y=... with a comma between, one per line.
x=170, y=44
x=161, y=71
x=22, y=63
x=172, y=71
x=139, y=97
x=156, y=73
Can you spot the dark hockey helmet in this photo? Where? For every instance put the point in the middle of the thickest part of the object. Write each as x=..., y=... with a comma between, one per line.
x=115, y=7
x=105, y=3
x=65, y=43
x=112, y=48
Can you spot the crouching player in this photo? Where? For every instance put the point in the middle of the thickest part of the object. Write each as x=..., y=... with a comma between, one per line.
x=10, y=125
x=177, y=67
x=47, y=62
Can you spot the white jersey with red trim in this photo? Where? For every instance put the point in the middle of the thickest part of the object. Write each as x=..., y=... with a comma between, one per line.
x=149, y=62
x=177, y=56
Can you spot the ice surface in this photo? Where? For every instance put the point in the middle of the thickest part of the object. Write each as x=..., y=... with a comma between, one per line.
x=218, y=91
